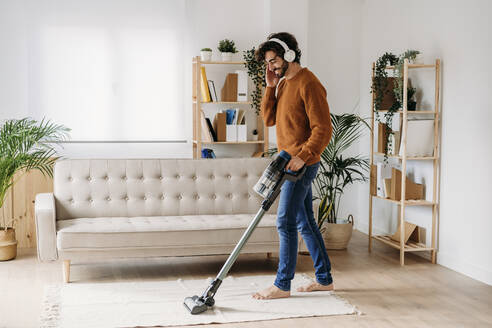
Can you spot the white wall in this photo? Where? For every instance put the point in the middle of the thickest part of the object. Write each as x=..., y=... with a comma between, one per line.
x=334, y=57
x=458, y=32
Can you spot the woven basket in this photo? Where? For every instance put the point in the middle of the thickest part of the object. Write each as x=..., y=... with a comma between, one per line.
x=8, y=244
x=337, y=235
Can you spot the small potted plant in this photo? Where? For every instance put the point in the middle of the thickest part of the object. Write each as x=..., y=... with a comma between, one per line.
x=227, y=49
x=24, y=145
x=255, y=135
x=411, y=104
x=206, y=54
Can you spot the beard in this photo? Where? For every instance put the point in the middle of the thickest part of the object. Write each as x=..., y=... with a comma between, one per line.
x=280, y=72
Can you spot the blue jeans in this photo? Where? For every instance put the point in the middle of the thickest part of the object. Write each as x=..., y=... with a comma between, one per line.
x=295, y=212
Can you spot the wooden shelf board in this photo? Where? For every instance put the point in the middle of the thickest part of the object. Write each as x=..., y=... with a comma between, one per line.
x=225, y=102
x=415, y=66
x=231, y=142
x=220, y=62
x=410, y=246
x=411, y=111
x=408, y=157
x=408, y=202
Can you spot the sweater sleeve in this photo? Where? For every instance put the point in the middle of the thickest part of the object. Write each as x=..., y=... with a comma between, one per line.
x=269, y=106
x=318, y=113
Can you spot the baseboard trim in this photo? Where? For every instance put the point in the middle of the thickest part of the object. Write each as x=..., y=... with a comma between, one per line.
x=464, y=267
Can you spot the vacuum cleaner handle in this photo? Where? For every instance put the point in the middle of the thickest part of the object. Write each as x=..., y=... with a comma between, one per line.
x=294, y=176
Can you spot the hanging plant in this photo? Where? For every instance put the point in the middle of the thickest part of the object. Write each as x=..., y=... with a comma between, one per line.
x=380, y=82
x=256, y=71
x=379, y=87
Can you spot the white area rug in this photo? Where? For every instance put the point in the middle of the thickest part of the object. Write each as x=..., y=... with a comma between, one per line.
x=130, y=304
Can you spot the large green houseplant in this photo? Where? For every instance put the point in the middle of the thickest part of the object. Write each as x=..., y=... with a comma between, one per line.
x=335, y=173
x=25, y=145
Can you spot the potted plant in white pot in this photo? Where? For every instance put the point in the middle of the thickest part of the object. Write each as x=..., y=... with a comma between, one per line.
x=25, y=145
x=335, y=173
x=227, y=48
x=206, y=54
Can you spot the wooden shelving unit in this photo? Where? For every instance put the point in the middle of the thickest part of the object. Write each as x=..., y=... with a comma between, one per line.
x=410, y=246
x=262, y=143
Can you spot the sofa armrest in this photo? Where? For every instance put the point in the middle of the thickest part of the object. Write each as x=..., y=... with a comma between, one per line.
x=44, y=211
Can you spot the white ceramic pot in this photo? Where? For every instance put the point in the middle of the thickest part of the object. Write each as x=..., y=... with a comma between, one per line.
x=206, y=55
x=226, y=56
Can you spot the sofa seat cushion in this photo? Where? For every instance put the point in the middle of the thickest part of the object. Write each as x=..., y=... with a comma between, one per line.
x=161, y=231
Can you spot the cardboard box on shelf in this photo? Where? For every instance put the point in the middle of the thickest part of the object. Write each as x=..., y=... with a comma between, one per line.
x=412, y=232
x=220, y=126
x=412, y=190
x=229, y=91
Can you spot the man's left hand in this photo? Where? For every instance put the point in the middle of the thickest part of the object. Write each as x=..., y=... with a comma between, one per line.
x=295, y=164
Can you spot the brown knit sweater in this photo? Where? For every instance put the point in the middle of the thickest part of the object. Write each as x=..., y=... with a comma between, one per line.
x=301, y=114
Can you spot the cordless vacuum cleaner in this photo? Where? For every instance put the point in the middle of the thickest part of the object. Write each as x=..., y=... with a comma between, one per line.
x=269, y=188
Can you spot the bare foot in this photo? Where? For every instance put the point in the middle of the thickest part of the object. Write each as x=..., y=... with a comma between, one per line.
x=315, y=286
x=271, y=293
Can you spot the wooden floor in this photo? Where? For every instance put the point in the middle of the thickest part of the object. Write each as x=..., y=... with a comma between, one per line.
x=417, y=295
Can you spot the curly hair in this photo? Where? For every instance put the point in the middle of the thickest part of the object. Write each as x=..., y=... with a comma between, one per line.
x=268, y=45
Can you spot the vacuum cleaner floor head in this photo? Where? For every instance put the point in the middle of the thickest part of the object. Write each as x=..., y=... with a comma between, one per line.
x=195, y=304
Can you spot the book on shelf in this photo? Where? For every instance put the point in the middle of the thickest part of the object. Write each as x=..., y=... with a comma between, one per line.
x=208, y=153
x=211, y=129
x=204, y=85
x=206, y=134
x=213, y=93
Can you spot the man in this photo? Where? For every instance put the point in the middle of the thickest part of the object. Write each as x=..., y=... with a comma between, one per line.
x=295, y=101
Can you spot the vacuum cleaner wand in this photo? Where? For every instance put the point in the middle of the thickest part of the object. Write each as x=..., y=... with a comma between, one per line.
x=268, y=187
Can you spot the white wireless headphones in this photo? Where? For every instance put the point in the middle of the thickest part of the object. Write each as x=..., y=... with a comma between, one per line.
x=289, y=55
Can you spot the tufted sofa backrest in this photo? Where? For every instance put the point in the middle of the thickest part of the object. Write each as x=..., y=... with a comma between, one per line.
x=157, y=187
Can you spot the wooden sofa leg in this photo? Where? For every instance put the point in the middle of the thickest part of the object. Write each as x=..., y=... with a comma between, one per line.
x=269, y=255
x=66, y=271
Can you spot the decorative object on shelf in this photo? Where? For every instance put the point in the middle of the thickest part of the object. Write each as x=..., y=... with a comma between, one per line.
x=411, y=103
x=206, y=54
x=382, y=83
x=227, y=48
x=398, y=90
x=25, y=145
x=255, y=135
x=256, y=71
x=335, y=173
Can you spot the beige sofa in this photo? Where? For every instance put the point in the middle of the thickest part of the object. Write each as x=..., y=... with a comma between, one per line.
x=144, y=208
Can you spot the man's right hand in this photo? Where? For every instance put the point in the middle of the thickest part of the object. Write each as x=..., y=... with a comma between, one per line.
x=271, y=78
